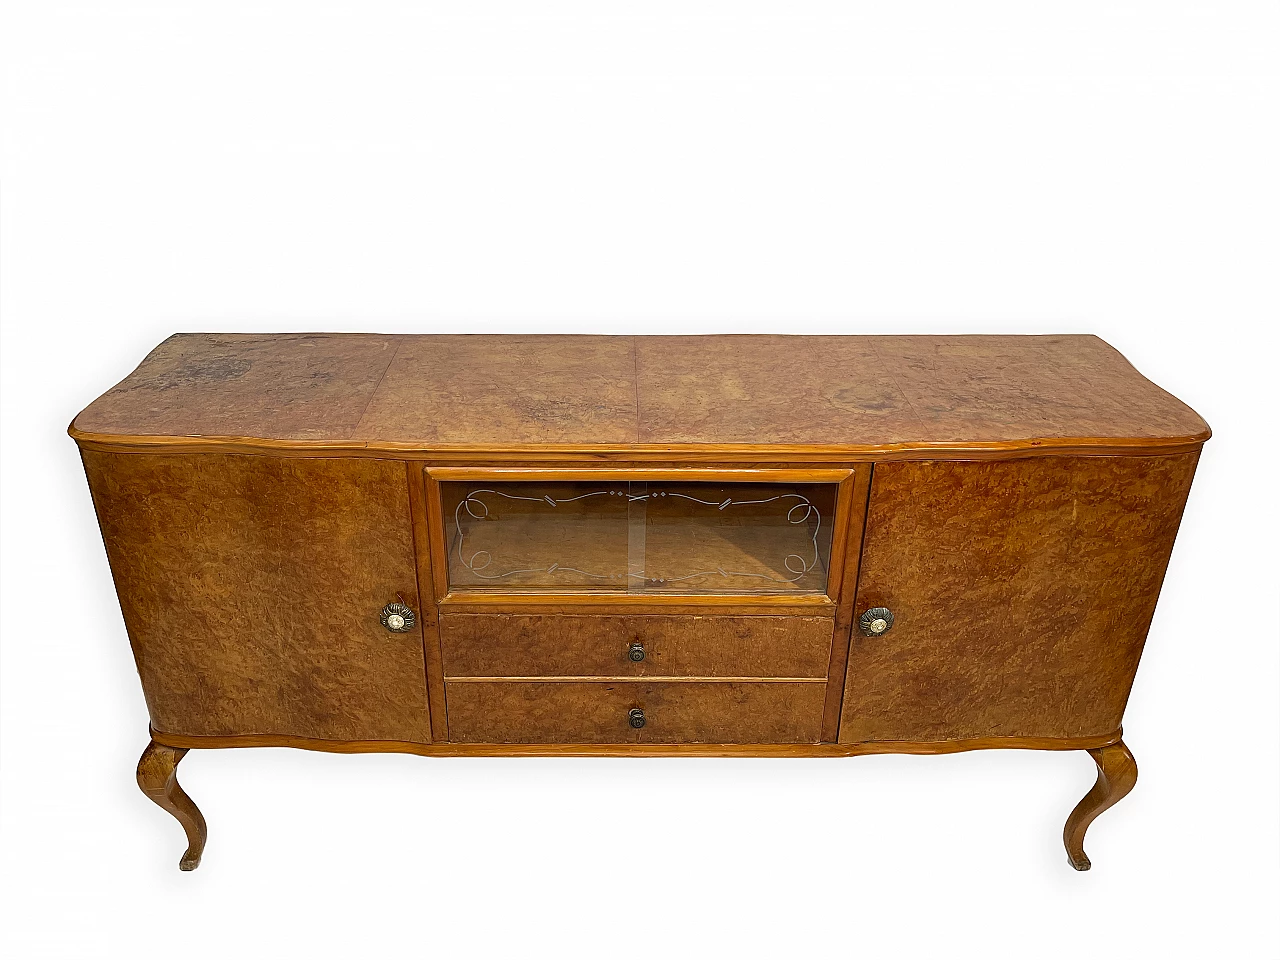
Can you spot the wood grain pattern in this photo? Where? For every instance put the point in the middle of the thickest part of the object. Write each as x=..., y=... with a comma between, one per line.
x=584, y=601
x=1022, y=592
x=601, y=394
x=777, y=750
x=251, y=588
x=775, y=389
x=279, y=386
x=158, y=779
x=1044, y=386
x=504, y=645
x=506, y=389
x=853, y=495
x=1117, y=774
x=891, y=390
x=719, y=454
x=596, y=712
x=428, y=614
x=684, y=474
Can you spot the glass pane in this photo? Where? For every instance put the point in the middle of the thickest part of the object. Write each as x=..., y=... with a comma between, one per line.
x=548, y=535
x=738, y=537
x=640, y=537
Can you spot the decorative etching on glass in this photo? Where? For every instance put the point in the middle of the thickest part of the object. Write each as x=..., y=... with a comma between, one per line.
x=796, y=508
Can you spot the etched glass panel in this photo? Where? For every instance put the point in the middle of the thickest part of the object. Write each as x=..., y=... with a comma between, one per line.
x=541, y=535
x=639, y=537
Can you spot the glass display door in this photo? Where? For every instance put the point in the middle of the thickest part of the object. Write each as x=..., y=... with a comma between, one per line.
x=639, y=536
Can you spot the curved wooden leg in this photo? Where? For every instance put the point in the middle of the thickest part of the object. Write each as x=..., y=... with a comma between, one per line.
x=158, y=778
x=1117, y=773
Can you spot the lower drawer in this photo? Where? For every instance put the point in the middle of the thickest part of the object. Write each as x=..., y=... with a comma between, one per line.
x=517, y=645
x=510, y=711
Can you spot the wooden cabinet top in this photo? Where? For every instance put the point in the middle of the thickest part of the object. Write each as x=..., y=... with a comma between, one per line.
x=827, y=395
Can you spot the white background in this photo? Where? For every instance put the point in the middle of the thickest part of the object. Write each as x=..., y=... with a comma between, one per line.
x=655, y=167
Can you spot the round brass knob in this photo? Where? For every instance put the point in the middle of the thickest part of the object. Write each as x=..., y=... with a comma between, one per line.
x=397, y=618
x=635, y=717
x=876, y=621
x=635, y=652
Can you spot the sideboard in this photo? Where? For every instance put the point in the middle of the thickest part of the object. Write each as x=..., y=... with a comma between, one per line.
x=773, y=546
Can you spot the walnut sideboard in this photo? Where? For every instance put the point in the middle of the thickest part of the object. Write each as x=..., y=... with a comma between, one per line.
x=643, y=546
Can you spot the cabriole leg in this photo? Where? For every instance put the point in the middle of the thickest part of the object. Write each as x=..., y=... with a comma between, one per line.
x=158, y=778
x=1117, y=773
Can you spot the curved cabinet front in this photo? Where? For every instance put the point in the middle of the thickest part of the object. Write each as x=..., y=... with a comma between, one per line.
x=1021, y=594
x=252, y=589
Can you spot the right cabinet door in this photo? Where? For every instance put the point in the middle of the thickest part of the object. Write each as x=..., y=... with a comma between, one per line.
x=1021, y=591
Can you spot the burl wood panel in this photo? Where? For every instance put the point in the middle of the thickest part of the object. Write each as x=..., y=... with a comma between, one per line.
x=767, y=389
x=484, y=389
x=1022, y=590
x=499, y=645
x=596, y=712
x=488, y=391
x=899, y=389
x=284, y=386
x=1041, y=386
x=251, y=589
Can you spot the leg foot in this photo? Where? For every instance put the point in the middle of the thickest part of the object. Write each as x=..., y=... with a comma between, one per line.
x=1117, y=773
x=158, y=778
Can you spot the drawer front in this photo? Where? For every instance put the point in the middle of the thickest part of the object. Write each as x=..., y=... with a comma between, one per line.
x=600, y=712
x=504, y=645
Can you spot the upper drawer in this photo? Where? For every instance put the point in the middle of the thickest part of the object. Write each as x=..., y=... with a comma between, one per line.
x=508, y=645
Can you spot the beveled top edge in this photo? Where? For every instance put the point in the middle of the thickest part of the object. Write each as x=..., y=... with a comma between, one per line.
x=640, y=453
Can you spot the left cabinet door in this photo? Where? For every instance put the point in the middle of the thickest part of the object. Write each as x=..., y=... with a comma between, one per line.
x=251, y=589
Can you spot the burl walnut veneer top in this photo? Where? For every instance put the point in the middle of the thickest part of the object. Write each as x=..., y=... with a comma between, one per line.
x=852, y=393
